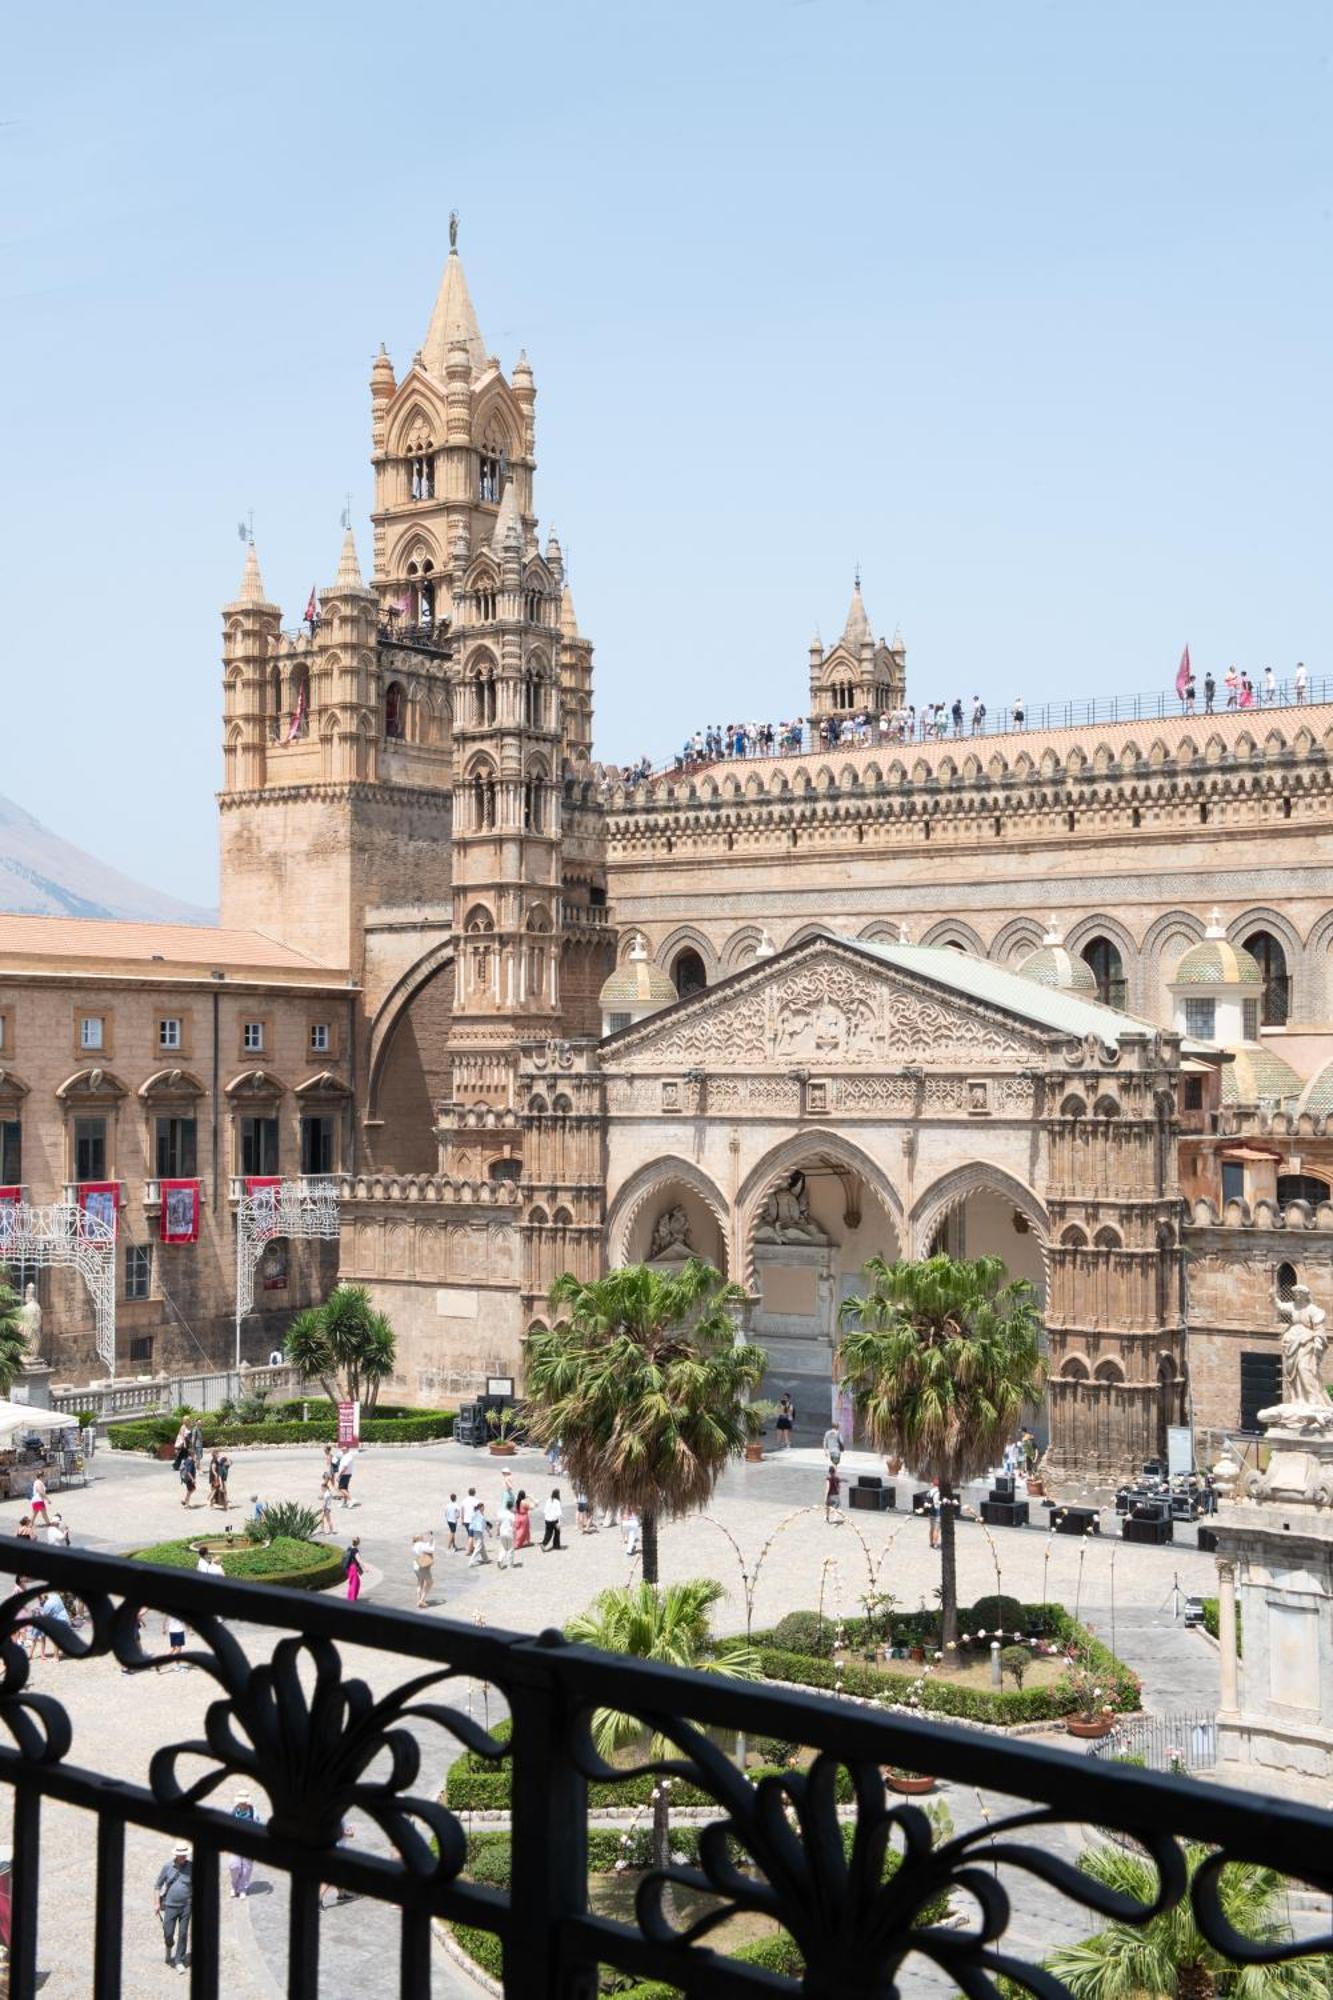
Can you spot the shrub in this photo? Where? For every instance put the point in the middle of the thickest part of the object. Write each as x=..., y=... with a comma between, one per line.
x=298, y=1565
x=993, y=1616
x=804, y=1632
x=284, y=1520
x=1212, y=1625
x=1015, y=1661
x=421, y=1427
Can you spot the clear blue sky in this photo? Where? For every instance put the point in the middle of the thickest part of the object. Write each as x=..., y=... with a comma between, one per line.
x=1027, y=308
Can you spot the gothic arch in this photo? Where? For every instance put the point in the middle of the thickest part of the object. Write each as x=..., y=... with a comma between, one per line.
x=421, y=415
x=1165, y=942
x=808, y=931
x=1264, y=919
x=656, y=1178
x=784, y=1160
x=1319, y=975
x=392, y=1009
x=739, y=949
x=1088, y=929
x=882, y=931
x=953, y=1188
x=953, y=932
x=687, y=938
x=1015, y=940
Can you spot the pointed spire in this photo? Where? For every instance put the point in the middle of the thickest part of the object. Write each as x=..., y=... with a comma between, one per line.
x=453, y=319
x=856, y=631
x=569, y=624
x=252, y=583
x=349, y=569
x=508, y=521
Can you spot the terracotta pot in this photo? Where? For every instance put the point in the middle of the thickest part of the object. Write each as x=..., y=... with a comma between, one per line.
x=1089, y=1727
x=917, y=1653
x=501, y=1448
x=1036, y=1488
x=911, y=1788
x=754, y=1452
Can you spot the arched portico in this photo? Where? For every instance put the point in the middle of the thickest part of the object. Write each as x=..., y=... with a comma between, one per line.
x=981, y=1210
x=666, y=1213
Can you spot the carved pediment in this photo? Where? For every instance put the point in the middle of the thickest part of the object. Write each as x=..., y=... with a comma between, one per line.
x=825, y=1009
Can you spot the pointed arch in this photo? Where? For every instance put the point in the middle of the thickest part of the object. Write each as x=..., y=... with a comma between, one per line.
x=652, y=1181
x=953, y=1188
x=952, y=932
x=802, y=1149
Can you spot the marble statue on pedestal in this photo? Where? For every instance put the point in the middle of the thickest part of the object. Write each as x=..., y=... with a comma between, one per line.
x=30, y=1321
x=1299, y=1429
x=1303, y=1346
x=785, y=1216
x=671, y=1237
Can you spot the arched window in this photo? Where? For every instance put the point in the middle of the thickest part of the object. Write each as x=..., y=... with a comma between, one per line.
x=688, y=974
x=1276, y=1003
x=1104, y=962
x=275, y=703
x=486, y=606
x=1284, y=1280
x=1301, y=1187
x=534, y=706
x=538, y=929
x=483, y=703
x=300, y=722
x=533, y=605
x=483, y=801
x=480, y=930
x=421, y=472
x=395, y=710
x=532, y=805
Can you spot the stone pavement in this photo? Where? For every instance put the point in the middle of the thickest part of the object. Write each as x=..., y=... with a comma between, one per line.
x=773, y=1510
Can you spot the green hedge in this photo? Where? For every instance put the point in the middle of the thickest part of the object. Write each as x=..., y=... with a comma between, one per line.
x=775, y=1954
x=299, y=1565
x=148, y=1433
x=1211, y=1623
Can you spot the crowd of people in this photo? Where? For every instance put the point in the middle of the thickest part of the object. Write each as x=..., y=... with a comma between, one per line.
x=1239, y=691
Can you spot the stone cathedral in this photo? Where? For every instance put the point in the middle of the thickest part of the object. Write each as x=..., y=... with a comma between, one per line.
x=783, y=1013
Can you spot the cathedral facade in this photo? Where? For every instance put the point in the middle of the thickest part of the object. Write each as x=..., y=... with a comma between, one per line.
x=1062, y=996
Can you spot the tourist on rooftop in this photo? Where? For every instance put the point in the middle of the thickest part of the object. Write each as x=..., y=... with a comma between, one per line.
x=1209, y=692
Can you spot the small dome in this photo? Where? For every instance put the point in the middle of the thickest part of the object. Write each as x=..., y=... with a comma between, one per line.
x=1317, y=1096
x=639, y=982
x=1215, y=961
x=1052, y=965
x=1257, y=1076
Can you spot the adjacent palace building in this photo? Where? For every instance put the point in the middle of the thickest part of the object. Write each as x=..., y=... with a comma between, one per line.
x=1065, y=996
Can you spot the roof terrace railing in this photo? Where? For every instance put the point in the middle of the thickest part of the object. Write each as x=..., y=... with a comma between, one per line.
x=804, y=1846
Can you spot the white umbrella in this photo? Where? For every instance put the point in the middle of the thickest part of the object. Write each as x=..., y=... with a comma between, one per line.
x=25, y=1417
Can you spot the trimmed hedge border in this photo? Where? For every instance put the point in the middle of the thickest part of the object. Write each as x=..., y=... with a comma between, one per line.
x=150, y=1433
x=250, y=1561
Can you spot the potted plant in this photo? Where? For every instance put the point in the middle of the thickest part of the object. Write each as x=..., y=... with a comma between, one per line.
x=912, y=1784
x=1091, y=1715
x=754, y=1446
x=502, y=1421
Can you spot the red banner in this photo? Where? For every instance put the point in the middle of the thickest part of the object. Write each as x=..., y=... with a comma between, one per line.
x=180, y=1211
x=100, y=1199
x=349, y=1423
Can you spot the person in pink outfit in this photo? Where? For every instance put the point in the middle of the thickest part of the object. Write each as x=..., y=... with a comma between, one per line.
x=354, y=1571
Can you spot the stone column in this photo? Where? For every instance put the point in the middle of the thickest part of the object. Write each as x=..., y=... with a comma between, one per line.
x=1226, y=1635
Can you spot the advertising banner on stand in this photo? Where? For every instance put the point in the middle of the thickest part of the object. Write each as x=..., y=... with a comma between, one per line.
x=349, y=1424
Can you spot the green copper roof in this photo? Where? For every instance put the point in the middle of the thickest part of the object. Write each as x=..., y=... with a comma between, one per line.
x=1047, y=1006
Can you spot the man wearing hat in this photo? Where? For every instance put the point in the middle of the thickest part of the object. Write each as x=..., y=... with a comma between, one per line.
x=172, y=1896
x=240, y=1865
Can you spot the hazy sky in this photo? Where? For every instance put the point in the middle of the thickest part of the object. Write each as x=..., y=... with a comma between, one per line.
x=1026, y=308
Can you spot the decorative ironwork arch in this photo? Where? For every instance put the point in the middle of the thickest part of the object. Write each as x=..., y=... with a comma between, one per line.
x=66, y=1236
x=306, y=1208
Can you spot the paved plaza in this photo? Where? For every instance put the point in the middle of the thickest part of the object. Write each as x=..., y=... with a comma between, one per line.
x=118, y=1719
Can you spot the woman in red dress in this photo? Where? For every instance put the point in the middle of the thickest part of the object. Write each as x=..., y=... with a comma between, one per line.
x=522, y=1523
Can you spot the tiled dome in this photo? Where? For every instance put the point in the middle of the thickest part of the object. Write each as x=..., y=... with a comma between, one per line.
x=638, y=982
x=1257, y=1076
x=1215, y=961
x=1052, y=965
x=1317, y=1096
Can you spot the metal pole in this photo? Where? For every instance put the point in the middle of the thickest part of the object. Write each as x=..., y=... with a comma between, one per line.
x=240, y=1252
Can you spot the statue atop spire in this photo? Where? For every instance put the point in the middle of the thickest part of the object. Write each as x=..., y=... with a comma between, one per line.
x=454, y=318
x=453, y=229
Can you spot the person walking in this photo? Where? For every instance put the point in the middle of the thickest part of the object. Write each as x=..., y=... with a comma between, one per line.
x=583, y=1514
x=423, y=1566
x=832, y=1495
x=1270, y=686
x=476, y=1531
x=629, y=1521
x=354, y=1569
x=1020, y=710
x=39, y=1515
x=173, y=1895
x=551, y=1517
x=217, y=1482
x=786, y=1418
x=522, y=1522
x=1301, y=680
x=453, y=1515
x=241, y=1867
x=325, y=1505
x=1246, y=691
x=346, y=1467
x=504, y=1531
x=1209, y=692
x=933, y=1509
x=553, y=1457
x=187, y=1477
x=833, y=1445
x=1231, y=682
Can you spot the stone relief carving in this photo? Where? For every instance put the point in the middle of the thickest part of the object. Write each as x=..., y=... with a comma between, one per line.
x=671, y=1236
x=842, y=1014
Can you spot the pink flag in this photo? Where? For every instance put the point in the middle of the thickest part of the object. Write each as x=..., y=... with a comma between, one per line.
x=298, y=717
x=1183, y=673
x=312, y=607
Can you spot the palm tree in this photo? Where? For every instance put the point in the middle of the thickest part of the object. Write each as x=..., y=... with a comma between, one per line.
x=669, y=1626
x=13, y=1345
x=942, y=1360
x=1168, y=1958
x=645, y=1384
x=345, y=1344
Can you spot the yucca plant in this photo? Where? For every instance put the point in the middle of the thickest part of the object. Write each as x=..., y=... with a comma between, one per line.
x=284, y=1517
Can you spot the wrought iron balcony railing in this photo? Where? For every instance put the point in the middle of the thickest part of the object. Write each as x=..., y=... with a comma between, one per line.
x=315, y=1743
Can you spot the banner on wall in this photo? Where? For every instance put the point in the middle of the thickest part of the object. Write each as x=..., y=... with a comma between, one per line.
x=100, y=1200
x=180, y=1211
x=349, y=1424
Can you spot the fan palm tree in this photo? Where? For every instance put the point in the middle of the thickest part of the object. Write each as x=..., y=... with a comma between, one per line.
x=13, y=1345
x=345, y=1345
x=669, y=1626
x=1168, y=1958
x=644, y=1383
x=941, y=1360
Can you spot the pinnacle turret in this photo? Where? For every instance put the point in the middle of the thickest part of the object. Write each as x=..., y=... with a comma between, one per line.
x=453, y=320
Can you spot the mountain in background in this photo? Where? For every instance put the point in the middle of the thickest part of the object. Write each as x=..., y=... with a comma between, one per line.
x=42, y=875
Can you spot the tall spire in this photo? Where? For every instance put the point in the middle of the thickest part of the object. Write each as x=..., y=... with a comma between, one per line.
x=508, y=521
x=857, y=629
x=453, y=318
x=349, y=569
x=252, y=583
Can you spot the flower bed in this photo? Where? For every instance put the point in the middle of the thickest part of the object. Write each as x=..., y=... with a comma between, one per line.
x=149, y=1433
x=298, y=1565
